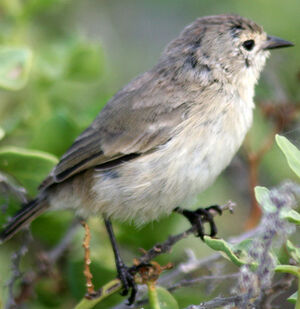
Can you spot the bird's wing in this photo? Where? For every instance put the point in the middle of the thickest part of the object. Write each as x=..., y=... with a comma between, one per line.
x=139, y=118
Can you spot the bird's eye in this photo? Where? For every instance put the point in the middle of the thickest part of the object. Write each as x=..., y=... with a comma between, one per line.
x=249, y=44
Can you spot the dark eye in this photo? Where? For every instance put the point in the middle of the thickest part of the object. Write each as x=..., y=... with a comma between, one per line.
x=249, y=44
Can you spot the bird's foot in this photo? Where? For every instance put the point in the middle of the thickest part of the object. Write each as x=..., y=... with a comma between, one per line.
x=127, y=277
x=199, y=217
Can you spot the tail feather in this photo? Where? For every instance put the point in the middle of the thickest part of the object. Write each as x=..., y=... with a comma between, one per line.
x=24, y=216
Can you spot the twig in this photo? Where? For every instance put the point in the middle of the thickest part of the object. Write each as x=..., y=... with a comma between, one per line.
x=16, y=272
x=191, y=282
x=189, y=266
x=279, y=287
x=7, y=188
x=254, y=160
x=218, y=302
x=281, y=115
x=166, y=246
x=107, y=290
x=87, y=259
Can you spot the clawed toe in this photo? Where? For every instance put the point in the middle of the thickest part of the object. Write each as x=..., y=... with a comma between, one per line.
x=216, y=208
x=126, y=275
x=199, y=217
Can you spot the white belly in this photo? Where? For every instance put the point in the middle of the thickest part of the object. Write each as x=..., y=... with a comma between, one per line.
x=153, y=185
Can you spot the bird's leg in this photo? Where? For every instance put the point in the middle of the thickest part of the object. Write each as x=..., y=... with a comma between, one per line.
x=199, y=216
x=125, y=274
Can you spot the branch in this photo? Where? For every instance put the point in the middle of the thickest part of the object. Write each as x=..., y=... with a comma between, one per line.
x=16, y=272
x=218, y=302
x=189, y=266
x=149, y=255
x=166, y=246
x=87, y=259
x=279, y=287
x=8, y=188
x=107, y=290
x=191, y=282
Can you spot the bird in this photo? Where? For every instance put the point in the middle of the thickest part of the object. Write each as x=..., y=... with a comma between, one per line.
x=165, y=136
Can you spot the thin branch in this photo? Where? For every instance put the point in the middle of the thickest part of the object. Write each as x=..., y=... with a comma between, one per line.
x=87, y=259
x=281, y=115
x=8, y=188
x=218, y=302
x=192, y=282
x=279, y=287
x=107, y=290
x=16, y=272
x=166, y=246
x=187, y=267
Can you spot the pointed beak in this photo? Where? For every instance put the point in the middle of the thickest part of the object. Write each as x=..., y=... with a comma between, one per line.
x=273, y=42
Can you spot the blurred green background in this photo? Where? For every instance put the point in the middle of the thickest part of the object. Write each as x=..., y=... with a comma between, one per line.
x=76, y=55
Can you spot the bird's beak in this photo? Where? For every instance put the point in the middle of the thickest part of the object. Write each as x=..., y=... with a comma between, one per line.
x=274, y=42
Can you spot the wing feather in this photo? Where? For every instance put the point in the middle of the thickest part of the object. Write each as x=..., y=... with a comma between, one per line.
x=136, y=120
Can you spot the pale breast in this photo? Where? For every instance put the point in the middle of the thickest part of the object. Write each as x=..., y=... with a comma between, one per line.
x=154, y=184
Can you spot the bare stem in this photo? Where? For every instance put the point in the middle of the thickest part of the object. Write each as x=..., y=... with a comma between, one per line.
x=87, y=259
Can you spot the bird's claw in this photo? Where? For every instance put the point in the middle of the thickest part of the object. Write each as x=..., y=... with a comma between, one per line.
x=126, y=275
x=200, y=216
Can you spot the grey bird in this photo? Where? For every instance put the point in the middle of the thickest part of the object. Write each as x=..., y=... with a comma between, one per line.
x=165, y=136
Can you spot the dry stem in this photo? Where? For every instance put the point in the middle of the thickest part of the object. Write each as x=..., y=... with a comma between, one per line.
x=87, y=259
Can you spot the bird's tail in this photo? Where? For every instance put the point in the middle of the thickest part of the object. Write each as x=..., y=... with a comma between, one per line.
x=24, y=216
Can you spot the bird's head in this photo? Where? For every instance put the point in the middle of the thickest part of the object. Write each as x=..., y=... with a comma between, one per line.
x=227, y=48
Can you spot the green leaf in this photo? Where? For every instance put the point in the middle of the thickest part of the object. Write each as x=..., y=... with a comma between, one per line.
x=28, y=167
x=160, y=298
x=292, y=216
x=291, y=152
x=15, y=64
x=293, y=298
x=224, y=247
x=166, y=299
x=291, y=269
x=293, y=251
x=262, y=195
x=241, y=249
x=244, y=245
